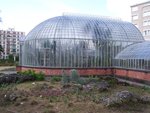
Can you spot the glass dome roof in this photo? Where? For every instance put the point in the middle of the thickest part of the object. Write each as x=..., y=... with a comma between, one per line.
x=84, y=27
x=136, y=51
x=72, y=41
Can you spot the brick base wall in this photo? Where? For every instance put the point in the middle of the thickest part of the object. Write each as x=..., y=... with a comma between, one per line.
x=124, y=73
x=136, y=75
x=58, y=71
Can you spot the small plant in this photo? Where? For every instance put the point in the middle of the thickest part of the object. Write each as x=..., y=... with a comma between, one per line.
x=39, y=76
x=65, y=78
x=74, y=77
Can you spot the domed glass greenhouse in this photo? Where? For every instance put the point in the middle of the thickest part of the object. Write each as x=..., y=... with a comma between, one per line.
x=135, y=56
x=71, y=41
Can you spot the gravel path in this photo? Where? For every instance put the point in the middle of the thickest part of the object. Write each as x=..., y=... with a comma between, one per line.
x=7, y=69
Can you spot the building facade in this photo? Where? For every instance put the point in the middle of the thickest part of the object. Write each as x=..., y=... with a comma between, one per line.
x=140, y=14
x=9, y=40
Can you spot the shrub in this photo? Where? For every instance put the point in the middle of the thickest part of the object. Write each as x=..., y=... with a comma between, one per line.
x=65, y=78
x=74, y=77
x=38, y=76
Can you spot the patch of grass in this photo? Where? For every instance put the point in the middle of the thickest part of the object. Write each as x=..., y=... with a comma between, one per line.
x=55, y=79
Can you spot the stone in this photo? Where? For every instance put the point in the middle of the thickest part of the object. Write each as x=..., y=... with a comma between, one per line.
x=13, y=78
x=103, y=86
x=13, y=97
x=124, y=95
x=119, y=98
x=145, y=99
x=88, y=87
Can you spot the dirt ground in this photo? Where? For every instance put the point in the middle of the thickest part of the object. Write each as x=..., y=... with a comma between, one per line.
x=50, y=97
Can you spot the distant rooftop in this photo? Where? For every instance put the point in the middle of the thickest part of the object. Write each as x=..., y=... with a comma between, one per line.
x=140, y=3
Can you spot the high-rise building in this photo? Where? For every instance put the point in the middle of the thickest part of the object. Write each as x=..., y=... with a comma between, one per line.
x=140, y=14
x=9, y=40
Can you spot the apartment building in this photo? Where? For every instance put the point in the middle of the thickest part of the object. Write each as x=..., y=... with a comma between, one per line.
x=9, y=40
x=140, y=14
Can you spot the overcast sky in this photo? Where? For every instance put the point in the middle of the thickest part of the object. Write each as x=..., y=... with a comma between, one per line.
x=24, y=15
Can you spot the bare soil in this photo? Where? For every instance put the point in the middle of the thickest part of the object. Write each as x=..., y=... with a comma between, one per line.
x=51, y=97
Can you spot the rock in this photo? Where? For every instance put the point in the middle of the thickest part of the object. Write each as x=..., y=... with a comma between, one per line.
x=13, y=97
x=103, y=86
x=145, y=99
x=13, y=78
x=124, y=95
x=21, y=103
x=88, y=87
x=10, y=97
x=119, y=98
x=33, y=83
x=24, y=78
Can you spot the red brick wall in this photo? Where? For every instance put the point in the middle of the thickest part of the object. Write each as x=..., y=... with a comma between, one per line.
x=58, y=71
x=141, y=75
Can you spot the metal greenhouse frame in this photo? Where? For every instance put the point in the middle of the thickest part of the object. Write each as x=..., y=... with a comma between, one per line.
x=71, y=41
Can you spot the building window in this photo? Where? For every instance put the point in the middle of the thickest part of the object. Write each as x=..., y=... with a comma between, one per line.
x=134, y=8
x=135, y=17
x=146, y=13
x=146, y=33
x=146, y=22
